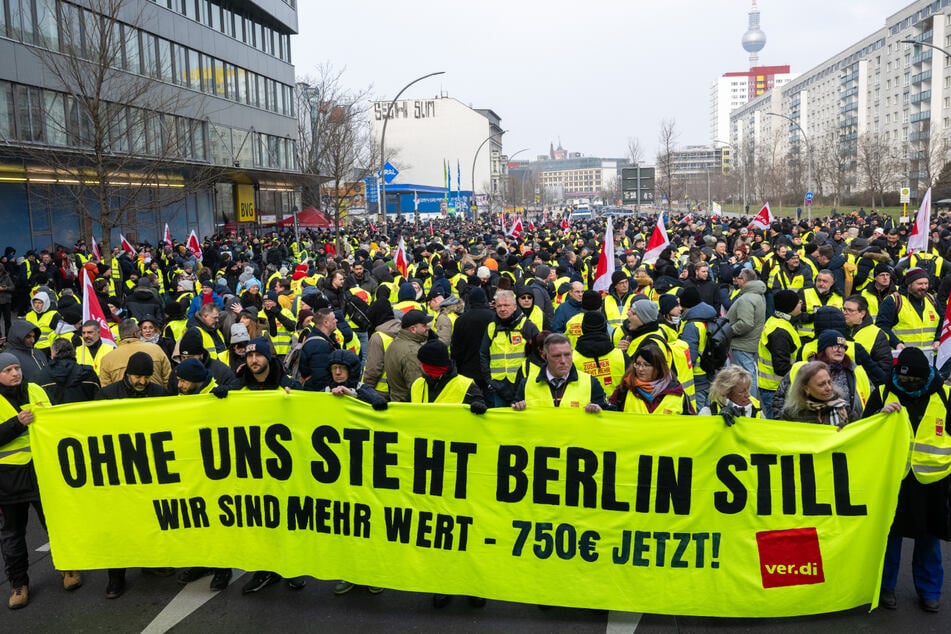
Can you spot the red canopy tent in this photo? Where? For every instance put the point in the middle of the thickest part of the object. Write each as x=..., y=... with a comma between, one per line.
x=309, y=218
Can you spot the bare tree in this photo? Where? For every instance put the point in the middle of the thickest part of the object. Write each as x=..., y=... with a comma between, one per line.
x=667, y=141
x=635, y=153
x=115, y=139
x=878, y=165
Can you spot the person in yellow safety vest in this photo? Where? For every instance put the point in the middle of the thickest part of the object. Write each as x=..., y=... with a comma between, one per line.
x=815, y=298
x=281, y=324
x=406, y=299
x=861, y=330
x=777, y=348
x=503, y=349
x=929, y=261
x=374, y=372
x=642, y=324
x=445, y=321
x=649, y=386
x=911, y=319
x=618, y=299
x=670, y=314
x=644, y=283
x=18, y=488
x=792, y=273
x=915, y=386
x=850, y=379
x=93, y=348
x=206, y=320
x=526, y=303
x=730, y=395
x=560, y=384
x=878, y=288
x=175, y=324
x=45, y=318
x=441, y=382
x=590, y=302
x=595, y=353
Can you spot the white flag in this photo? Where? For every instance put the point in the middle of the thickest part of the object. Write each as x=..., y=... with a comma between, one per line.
x=918, y=240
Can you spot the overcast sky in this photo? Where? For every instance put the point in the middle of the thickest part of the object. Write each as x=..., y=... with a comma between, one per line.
x=592, y=73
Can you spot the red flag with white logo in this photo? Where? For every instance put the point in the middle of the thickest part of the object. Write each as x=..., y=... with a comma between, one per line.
x=92, y=310
x=602, y=276
x=194, y=245
x=658, y=242
x=763, y=219
x=517, y=229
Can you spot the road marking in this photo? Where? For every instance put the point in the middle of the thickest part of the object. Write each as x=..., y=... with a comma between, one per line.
x=191, y=597
x=45, y=548
x=622, y=622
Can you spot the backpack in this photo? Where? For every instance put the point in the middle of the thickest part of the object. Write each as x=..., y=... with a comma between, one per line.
x=357, y=311
x=714, y=355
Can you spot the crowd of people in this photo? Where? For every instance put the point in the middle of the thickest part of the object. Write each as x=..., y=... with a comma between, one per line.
x=822, y=322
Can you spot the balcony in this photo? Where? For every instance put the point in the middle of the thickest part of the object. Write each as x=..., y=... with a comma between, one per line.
x=924, y=115
x=923, y=56
x=921, y=96
x=920, y=77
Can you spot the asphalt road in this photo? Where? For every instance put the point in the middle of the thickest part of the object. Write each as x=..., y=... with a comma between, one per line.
x=159, y=604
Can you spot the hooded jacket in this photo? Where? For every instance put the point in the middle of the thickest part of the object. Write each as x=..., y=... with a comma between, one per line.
x=31, y=362
x=373, y=366
x=467, y=334
x=690, y=332
x=66, y=381
x=747, y=317
x=568, y=309
x=143, y=302
x=402, y=367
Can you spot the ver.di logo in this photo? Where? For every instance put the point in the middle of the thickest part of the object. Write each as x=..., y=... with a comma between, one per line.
x=790, y=557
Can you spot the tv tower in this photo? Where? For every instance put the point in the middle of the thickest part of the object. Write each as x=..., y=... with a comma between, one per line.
x=754, y=39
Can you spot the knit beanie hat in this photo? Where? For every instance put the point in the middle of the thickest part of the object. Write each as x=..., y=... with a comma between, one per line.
x=667, y=303
x=689, y=297
x=272, y=295
x=882, y=268
x=191, y=342
x=617, y=276
x=911, y=362
x=140, y=364
x=192, y=370
x=7, y=359
x=646, y=310
x=239, y=334
x=259, y=345
x=434, y=353
x=542, y=271
x=829, y=318
x=830, y=338
x=786, y=301
x=593, y=322
x=915, y=274
x=590, y=300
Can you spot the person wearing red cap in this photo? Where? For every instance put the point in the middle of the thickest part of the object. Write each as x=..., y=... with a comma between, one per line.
x=911, y=318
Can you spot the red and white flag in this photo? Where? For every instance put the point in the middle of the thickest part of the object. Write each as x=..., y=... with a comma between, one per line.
x=126, y=246
x=431, y=230
x=415, y=201
x=92, y=310
x=400, y=259
x=918, y=238
x=194, y=245
x=565, y=224
x=763, y=219
x=372, y=227
x=531, y=226
x=517, y=229
x=602, y=276
x=95, y=248
x=168, y=235
x=944, y=345
x=686, y=219
x=658, y=242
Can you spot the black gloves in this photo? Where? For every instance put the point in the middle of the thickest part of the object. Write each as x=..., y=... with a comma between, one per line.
x=220, y=391
x=729, y=415
x=477, y=407
x=380, y=405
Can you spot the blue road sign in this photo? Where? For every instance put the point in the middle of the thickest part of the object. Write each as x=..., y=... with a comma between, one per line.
x=809, y=198
x=371, y=189
x=389, y=173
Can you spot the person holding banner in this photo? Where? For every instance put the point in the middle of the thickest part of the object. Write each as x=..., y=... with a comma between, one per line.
x=815, y=398
x=922, y=512
x=18, y=486
x=560, y=383
x=730, y=395
x=649, y=386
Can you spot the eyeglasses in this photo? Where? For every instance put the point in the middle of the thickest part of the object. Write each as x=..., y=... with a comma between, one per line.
x=850, y=310
x=840, y=346
x=642, y=366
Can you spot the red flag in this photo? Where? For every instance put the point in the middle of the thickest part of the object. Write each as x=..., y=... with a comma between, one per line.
x=944, y=347
x=372, y=228
x=431, y=231
x=127, y=246
x=545, y=217
x=918, y=238
x=517, y=229
x=92, y=310
x=402, y=263
x=194, y=245
x=658, y=242
x=686, y=219
x=763, y=219
x=565, y=224
x=602, y=276
x=168, y=235
x=531, y=226
x=95, y=248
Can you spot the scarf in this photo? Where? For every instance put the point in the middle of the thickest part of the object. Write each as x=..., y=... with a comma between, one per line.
x=153, y=339
x=837, y=409
x=435, y=371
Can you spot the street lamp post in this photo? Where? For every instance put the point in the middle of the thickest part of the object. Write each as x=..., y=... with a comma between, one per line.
x=476, y=156
x=805, y=201
x=380, y=183
x=509, y=158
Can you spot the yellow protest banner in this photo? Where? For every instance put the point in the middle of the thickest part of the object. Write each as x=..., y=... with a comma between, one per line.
x=661, y=514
